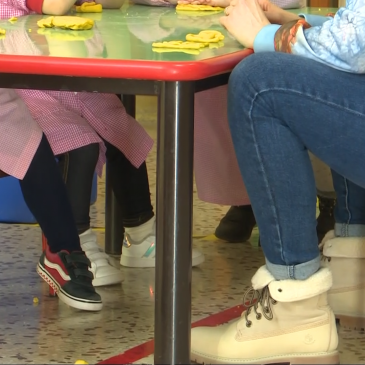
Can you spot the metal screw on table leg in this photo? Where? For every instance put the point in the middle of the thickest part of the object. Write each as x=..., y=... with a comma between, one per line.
x=174, y=223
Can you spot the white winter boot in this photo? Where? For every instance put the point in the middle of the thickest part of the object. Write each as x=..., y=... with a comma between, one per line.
x=345, y=256
x=291, y=322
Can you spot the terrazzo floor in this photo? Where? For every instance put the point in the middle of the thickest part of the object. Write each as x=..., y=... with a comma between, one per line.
x=49, y=332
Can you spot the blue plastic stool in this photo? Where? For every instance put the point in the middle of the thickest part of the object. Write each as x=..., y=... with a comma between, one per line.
x=12, y=205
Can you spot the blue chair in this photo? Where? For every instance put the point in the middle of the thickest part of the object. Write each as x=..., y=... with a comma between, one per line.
x=13, y=208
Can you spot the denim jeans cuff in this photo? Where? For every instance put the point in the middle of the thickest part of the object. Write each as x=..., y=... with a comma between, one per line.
x=295, y=272
x=349, y=230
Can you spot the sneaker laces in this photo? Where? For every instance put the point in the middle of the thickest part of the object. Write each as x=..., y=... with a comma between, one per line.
x=256, y=298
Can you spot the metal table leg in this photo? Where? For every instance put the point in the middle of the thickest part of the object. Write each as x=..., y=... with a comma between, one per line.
x=174, y=223
x=114, y=230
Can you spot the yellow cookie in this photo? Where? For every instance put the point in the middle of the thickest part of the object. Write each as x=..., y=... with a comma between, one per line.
x=46, y=22
x=66, y=22
x=205, y=36
x=179, y=45
x=89, y=8
x=192, y=7
x=2, y=31
x=72, y=22
x=169, y=50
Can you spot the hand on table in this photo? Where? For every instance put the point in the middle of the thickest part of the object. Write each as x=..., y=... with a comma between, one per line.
x=275, y=14
x=220, y=3
x=244, y=19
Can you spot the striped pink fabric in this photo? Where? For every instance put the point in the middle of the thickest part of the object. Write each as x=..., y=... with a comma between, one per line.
x=71, y=120
x=217, y=175
x=20, y=135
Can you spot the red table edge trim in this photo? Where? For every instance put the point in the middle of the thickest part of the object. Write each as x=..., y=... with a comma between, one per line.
x=121, y=69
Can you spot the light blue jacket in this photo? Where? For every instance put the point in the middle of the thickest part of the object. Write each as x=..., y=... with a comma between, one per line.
x=338, y=42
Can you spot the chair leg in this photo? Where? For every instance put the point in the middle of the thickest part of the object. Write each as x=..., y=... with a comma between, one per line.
x=52, y=293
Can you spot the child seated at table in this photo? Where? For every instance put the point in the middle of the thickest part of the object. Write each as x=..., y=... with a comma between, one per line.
x=90, y=126
x=26, y=155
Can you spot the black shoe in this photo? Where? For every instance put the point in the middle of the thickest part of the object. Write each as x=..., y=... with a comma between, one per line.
x=326, y=218
x=68, y=274
x=237, y=225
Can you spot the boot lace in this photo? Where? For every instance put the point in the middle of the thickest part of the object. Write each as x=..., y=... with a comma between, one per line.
x=258, y=300
x=323, y=257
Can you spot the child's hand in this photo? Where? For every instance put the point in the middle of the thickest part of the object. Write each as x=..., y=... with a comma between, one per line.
x=275, y=14
x=220, y=3
x=244, y=20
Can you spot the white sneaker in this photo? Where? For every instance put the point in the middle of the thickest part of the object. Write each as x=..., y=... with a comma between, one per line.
x=104, y=272
x=142, y=254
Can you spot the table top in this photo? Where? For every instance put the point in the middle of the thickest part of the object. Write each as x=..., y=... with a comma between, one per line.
x=120, y=46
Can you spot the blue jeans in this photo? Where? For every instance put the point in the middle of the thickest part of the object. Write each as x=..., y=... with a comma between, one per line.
x=350, y=207
x=279, y=107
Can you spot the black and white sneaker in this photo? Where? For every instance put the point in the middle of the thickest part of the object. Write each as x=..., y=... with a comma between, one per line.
x=68, y=274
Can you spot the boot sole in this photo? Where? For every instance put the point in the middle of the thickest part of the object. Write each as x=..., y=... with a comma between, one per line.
x=73, y=302
x=293, y=359
x=356, y=323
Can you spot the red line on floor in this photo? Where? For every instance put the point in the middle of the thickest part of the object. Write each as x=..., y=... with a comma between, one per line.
x=146, y=349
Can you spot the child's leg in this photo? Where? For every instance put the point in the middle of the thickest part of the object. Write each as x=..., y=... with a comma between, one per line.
x=350, y=208
x=45, y=195
x=63, y=266
x=326, y=196
x=78, y=168
x=131, y=188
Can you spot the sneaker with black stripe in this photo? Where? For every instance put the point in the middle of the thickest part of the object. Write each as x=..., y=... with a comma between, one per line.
x=68, y=274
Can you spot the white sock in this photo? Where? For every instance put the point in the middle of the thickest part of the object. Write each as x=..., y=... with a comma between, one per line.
x=138, y=234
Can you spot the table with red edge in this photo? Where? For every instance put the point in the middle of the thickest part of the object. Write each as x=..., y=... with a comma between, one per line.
x=124, y=63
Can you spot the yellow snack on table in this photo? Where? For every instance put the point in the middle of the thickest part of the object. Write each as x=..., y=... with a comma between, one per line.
x=192, y=7
x=72, y=22
x=179, y=45
x=46, y=22
x=206, y=36
x=13, y=19
x=66, y=22
x=89, y=8
x=2, y=31
x=194, y=13
x=174, y=50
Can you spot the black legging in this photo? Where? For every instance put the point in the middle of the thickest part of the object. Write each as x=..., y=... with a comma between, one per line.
x=130, y=185
x=46, y=196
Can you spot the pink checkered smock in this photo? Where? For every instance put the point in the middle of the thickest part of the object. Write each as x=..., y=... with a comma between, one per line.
x=72, y=120
x=20, y=135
